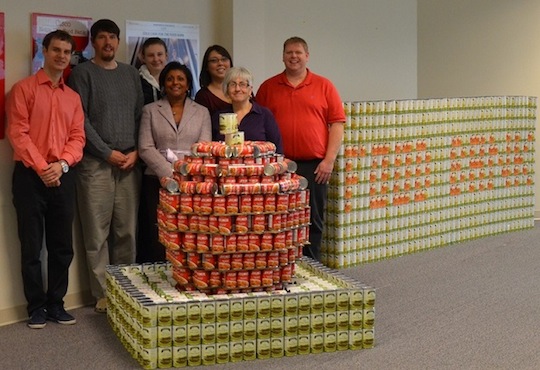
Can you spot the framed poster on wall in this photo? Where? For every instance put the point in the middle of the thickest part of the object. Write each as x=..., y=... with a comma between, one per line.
x=78, y=27
x=182, y=42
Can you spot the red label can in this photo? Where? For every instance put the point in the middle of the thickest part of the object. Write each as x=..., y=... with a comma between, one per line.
x=230, y=243
x=283, y=257
x=272, y=259
x=242, y=242
x=206, y=204
x=237, y=261
x=204, y=223
x=276, y=276
x=230, y=279
x=260, y=260
x=279, y=241
x=269, y=203
x=197, y=203
x=282, y=202
x=232, y=204
x=215, y=279
x=224, y=262
x=249, y=261
x=218, y=243
x=194, y=260
x=219, y=205
x=190, y=241
x=288, y=238
x=258, y=203
x=193, y=221
x=267, y=242
x=186, y=203
x=258, y=223
x=255, y=278
x=267, y=278
x=242, y=279
x=292, y=255
x=254, y=242
x=245, y=203
x=201, y=278
x=286, y=273
x=182, y=275
x=292, y=201
x=182, y=222
x=241, y=224
x=202, y=243
x=213, y=224
x=274, y=222
x=225, y=224
x=209, y=261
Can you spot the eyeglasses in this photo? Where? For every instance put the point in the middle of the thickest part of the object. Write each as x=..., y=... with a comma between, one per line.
x=243, y=85
x=217, y=60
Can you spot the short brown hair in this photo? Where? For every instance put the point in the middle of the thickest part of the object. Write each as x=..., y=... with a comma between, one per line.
x=58, y=35
x=296, y=40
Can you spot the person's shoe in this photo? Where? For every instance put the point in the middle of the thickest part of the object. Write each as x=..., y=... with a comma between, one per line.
x=38, y=319
x=101, y=305
x=59, y=315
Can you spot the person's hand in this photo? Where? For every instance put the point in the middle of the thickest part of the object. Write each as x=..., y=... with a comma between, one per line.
x=51, y=175
x=324, y=171
x=131, y=160
x=117, y=159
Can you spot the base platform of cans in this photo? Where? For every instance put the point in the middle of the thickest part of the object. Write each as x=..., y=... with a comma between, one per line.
x=320, y=310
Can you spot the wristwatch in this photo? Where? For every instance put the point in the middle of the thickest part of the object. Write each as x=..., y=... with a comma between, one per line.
x=65, y=166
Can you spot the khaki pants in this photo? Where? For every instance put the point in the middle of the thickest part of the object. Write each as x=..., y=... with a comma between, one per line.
x=108, y=202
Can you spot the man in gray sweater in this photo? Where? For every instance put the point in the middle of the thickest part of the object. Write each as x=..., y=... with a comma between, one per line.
x=109, y=175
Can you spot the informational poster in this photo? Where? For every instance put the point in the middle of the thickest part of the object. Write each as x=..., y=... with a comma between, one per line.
x=78, y=27
x=182, y=42
x=2, y=77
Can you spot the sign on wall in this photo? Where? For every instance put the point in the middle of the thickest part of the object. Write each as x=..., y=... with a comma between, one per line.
x=182, y=42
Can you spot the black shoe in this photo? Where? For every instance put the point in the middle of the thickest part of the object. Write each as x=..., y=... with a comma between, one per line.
x=59, y=315
x=38, y=319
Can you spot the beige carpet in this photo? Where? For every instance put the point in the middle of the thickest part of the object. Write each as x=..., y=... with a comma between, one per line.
x=473, y=305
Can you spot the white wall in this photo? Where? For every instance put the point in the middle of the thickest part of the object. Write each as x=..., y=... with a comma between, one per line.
x=367, y=47
x=480, y=47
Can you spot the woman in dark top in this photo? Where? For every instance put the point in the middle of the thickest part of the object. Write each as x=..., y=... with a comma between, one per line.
x=257, y=122
x=216, y=63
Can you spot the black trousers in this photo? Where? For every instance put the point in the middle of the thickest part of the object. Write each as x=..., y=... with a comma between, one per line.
x=317, y=201
x=43, y=211
x=149, y=249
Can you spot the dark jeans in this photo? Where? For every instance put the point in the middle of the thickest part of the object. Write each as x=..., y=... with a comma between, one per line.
x=317, y=201
x=43, y=211
x=149, y=249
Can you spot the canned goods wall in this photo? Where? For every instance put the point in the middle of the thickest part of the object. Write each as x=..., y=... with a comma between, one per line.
x=413, y=175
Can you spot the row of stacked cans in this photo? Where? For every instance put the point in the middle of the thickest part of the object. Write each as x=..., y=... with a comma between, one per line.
x=457, y=158
x=238, y=221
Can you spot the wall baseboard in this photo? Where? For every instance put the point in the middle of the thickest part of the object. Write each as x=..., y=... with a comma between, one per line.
x=18, y=313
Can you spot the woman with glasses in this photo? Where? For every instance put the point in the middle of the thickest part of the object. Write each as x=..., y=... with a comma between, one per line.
x=257, y=122
x=216, y=63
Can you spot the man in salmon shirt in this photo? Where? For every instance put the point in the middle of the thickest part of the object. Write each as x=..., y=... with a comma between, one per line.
x=46, y=131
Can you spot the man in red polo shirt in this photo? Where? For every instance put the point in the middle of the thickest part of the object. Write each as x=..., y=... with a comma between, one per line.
x=310, y=116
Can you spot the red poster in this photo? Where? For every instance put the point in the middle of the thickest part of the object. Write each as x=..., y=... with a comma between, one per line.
x=78, y=27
